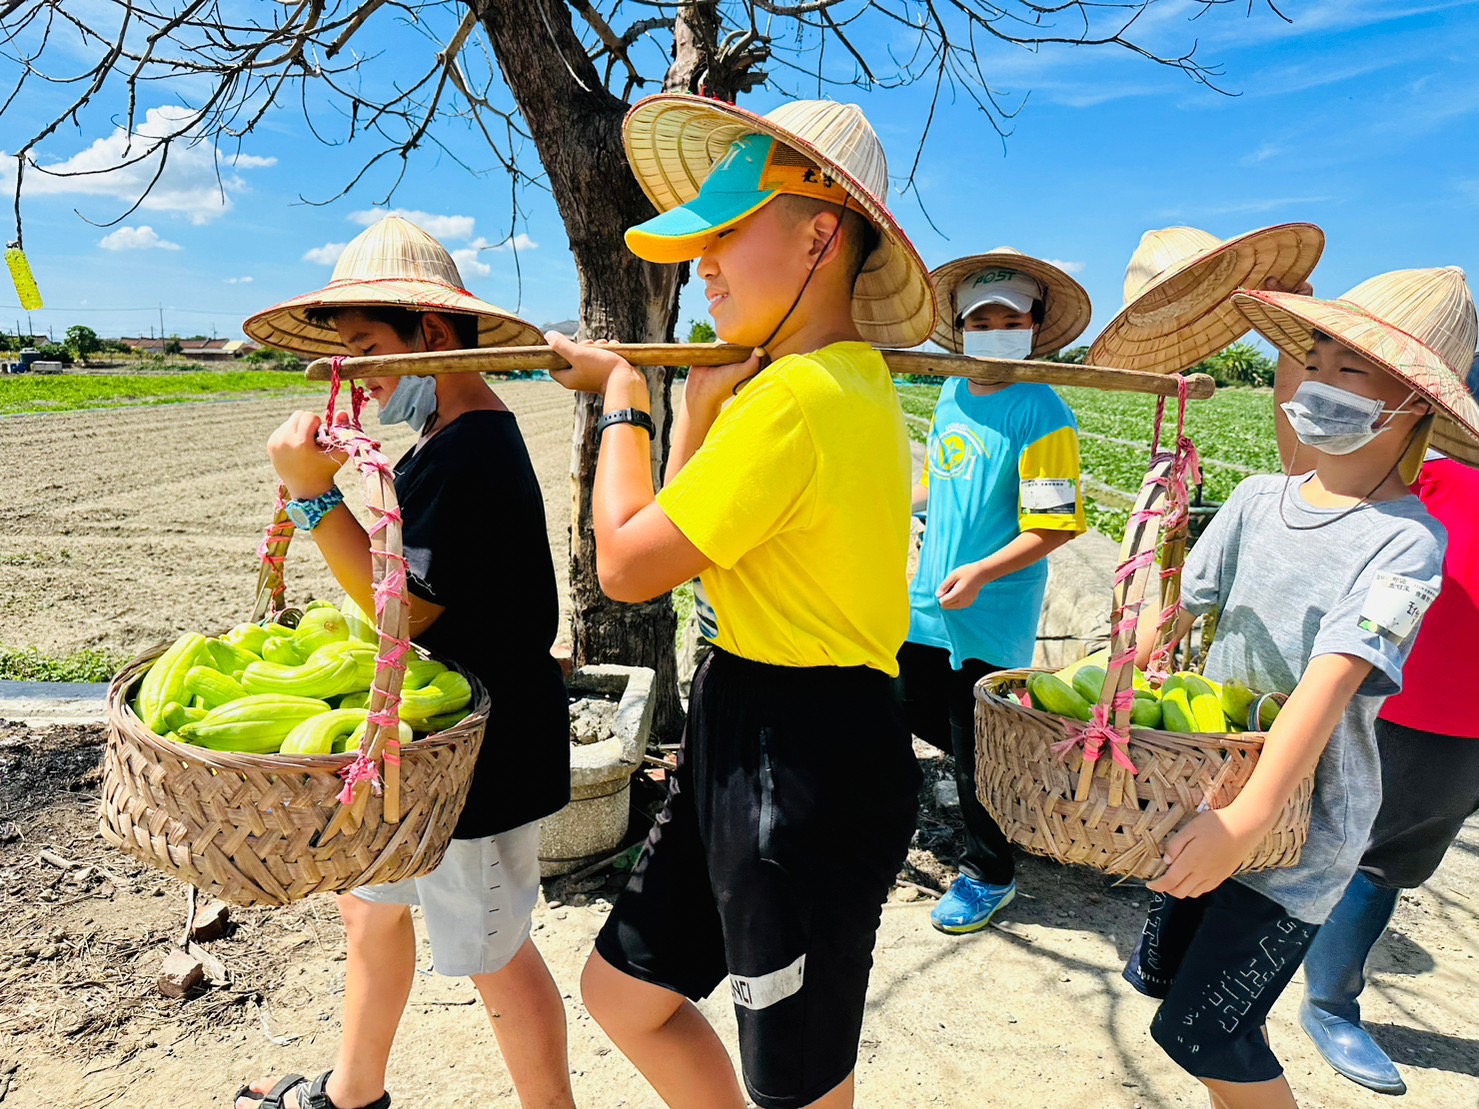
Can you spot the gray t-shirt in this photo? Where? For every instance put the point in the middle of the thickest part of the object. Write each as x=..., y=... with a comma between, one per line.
x=1288, y=592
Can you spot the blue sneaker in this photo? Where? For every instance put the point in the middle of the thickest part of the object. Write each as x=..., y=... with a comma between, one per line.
x=969, y=905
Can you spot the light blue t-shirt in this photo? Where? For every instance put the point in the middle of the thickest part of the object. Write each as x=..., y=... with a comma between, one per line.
x=996, y=466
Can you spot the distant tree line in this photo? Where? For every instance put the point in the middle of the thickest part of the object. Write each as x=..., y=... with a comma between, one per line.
x=1239, y=364
x=82, y=345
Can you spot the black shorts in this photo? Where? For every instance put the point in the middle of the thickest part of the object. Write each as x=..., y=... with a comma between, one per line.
x=1218, y=962
x=1429, y=787
x=785, y=825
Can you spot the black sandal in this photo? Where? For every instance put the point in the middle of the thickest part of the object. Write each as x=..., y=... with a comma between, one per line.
x=318, y=1094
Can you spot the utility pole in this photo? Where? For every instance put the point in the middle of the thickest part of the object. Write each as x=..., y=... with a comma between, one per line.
x=161, y=321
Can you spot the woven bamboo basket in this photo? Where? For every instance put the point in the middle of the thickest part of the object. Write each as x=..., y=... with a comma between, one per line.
x=271, y=829
x=1040, y=777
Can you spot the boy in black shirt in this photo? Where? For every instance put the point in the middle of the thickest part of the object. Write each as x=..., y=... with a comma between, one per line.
x=482, y=591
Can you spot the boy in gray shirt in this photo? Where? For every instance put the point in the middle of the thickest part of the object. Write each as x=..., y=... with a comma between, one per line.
x=1320, y=581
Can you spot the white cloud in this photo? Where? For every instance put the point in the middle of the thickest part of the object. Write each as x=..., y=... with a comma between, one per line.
x=520, y=241
x=1262, y=154
x=469, y=262
x=1244, y=207
x=1326, y=17
x=188, y=186
x=1066, y=267
x=142, y=237
x=240, y=280
x=1297, y=78
x=468, y=258
x=455, y=228
x=325, y=255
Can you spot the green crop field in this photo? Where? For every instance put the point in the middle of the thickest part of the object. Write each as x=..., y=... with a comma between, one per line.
x=66, y=392
x=1233, y=433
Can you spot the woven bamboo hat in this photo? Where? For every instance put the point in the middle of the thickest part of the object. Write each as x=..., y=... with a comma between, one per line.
x=1178, y=288
x=1066, y=308
x=1418, y=325
x=392, y=262
x=674, y=143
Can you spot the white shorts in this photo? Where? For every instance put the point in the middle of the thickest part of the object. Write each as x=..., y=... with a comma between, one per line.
x=477, y=903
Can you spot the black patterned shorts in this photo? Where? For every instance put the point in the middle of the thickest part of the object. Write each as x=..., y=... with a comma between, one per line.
x=1218, y=963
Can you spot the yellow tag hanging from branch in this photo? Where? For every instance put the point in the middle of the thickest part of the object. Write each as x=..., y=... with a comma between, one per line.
x=25, y=281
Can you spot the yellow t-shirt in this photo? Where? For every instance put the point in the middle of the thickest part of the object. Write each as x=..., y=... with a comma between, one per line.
x=799, y=497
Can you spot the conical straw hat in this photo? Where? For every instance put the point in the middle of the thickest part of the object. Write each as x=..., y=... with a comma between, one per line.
x=1066, y=307
x=1419, y=325
x=673, y=140
x=393, y=262
x=1178, y=288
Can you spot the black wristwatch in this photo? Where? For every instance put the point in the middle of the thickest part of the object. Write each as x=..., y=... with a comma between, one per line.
x=627, y=416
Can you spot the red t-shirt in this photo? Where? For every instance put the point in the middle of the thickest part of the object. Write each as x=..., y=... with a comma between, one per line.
x=1442, y=672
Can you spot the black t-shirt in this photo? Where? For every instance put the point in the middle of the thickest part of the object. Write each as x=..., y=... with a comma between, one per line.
x=476, y=544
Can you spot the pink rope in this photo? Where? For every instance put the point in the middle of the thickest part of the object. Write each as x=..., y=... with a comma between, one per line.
x=278, y=529
x=394, y=659
x=1185, y=469
x=362, y=769
x=334, y=386
x=365, y=453
x=389, y=716
x=1096, y=735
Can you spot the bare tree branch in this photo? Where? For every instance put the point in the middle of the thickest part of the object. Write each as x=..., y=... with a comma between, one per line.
x=250, y=60
x=613, y=43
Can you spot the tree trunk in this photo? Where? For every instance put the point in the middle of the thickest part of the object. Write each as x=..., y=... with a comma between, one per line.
x=576, y=126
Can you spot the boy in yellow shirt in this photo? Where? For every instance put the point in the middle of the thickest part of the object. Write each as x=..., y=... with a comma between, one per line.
x=794, y=801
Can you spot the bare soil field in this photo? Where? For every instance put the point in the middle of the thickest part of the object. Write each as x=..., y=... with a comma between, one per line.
x=121, y=528
x=1029, y=1014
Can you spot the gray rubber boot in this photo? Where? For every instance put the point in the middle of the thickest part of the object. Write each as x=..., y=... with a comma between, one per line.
x=1335, y=975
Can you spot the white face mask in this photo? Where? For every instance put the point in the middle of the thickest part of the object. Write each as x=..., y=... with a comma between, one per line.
x=1335, y=420
x=1014, y=344
x=413, y=402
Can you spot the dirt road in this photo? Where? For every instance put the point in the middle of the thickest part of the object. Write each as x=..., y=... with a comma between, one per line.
x=1030, y=1015
x=122, y=528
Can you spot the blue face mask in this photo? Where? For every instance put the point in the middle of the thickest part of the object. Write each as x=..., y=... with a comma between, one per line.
x=413, y=402
x=1014, y=344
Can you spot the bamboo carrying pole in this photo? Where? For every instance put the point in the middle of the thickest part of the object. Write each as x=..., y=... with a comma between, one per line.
x=928, y=363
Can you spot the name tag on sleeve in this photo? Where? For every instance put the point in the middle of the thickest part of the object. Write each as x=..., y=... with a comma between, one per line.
x=1394, y=605
x=1049, y=496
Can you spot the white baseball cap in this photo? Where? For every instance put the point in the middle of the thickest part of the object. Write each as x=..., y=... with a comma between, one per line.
x=996, y=285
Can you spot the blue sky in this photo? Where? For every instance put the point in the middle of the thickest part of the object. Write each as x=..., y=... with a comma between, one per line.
x=1361, y=116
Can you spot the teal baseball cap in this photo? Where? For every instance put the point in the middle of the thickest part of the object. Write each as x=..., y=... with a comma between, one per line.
x=754, y=171
x=706, y=165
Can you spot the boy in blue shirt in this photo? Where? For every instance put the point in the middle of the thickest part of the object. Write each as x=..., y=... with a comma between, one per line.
x=1001, y=484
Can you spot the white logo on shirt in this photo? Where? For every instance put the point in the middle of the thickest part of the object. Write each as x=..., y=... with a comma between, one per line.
x=1049, y=496
x=1394, y=605
x=953, y=452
